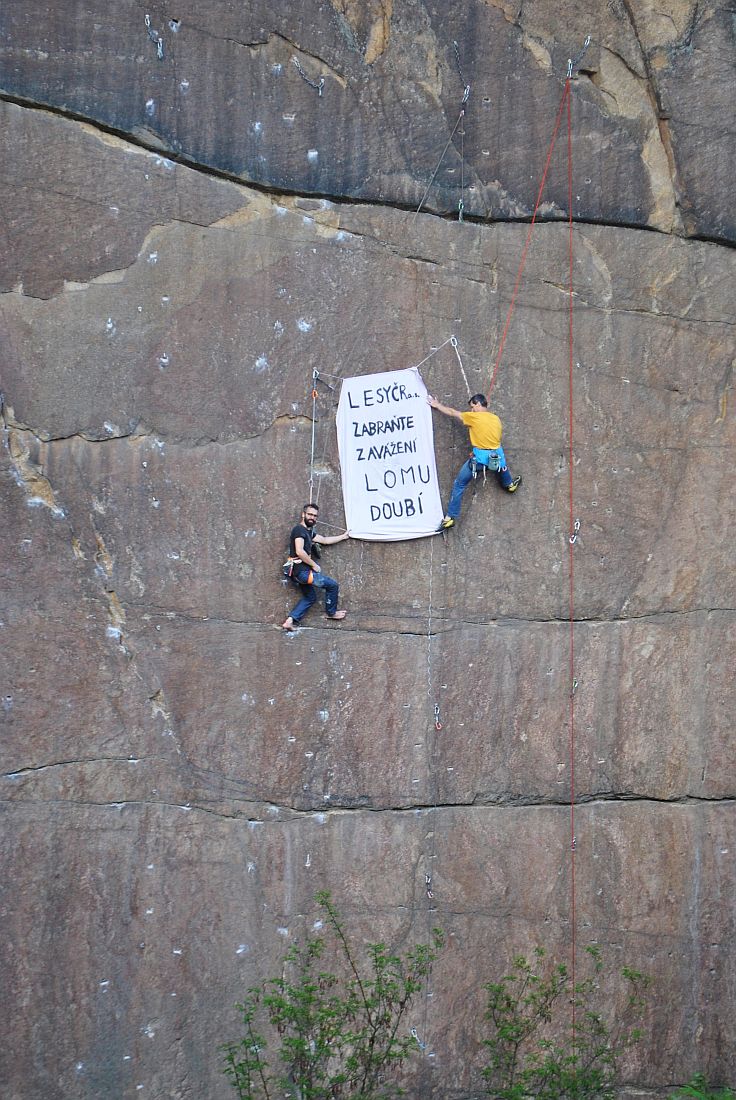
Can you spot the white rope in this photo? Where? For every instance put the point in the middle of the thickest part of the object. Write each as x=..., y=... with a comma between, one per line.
x=429, y=621
x=314, y=424
x=433, y=352
x=461, y=204
x=334, y=377
x=462, y=369
x=332, y=526
x=431, y=852
x=339, y=378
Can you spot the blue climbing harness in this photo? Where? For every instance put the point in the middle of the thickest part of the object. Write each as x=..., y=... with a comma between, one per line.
x=488, y=460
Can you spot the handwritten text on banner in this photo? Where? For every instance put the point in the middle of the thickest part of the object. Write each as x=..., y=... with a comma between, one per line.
x=389, y=476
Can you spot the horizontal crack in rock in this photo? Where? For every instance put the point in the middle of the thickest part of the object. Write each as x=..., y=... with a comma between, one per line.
x=135, y=141
x=271, y=811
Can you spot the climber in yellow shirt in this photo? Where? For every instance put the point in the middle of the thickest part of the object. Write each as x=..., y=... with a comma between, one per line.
x=485, y=430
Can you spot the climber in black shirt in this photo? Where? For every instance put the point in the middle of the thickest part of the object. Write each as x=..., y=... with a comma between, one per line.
x=305, y=570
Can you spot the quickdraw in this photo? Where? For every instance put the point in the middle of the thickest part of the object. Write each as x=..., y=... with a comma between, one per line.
x=317, y=87
x=155, y=37
x=574, y=62
x=415, y=1035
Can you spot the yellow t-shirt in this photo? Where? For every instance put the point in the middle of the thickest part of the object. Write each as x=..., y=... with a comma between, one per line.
x=485, y=429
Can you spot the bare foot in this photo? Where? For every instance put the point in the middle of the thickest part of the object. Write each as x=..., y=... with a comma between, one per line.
x=338, y=615
x=288, y=625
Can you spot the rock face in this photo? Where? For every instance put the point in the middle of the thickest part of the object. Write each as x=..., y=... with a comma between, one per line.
x=185, y=239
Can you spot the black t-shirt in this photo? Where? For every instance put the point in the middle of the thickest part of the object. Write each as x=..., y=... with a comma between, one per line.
x=301, y=532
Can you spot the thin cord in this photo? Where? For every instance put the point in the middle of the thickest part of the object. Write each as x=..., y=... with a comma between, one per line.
x=461, y=204
x=429, y=864
x=439, y=162
x=314, y=424
x=439, y=348
x=571, y=548
x=453, y=341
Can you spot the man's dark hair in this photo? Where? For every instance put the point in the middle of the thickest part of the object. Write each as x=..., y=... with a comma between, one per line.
x=314, y=507
x=478, y=399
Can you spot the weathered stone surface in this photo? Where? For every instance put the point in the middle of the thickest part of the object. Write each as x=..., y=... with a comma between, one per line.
x=190, y=348
x=94, y=223
x=178, y=777
x=174, y=911
x=227, y=94
x=688, y=47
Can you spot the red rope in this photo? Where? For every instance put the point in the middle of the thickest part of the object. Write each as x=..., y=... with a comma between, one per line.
x=571, y=548
x=565, y=97
x=565, y=101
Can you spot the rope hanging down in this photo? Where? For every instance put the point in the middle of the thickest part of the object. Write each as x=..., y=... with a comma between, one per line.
x=574, y=531
x=527, y=242
x=572, y=66
x=430, y=853
x=315, y=395
x=315, y=376
x=574, y=524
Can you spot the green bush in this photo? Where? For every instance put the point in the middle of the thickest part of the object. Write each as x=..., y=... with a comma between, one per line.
x=330, y=1037
x=699, y=1089
x=312, y=1034
x=534, y=1051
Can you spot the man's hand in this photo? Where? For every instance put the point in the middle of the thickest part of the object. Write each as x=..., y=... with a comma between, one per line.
x=330, y=540
x=444, y=408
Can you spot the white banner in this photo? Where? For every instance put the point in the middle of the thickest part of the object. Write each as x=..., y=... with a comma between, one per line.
x=386, y=445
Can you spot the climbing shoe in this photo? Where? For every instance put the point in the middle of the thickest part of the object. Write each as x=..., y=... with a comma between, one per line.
x=514, y=485
x=446, y=524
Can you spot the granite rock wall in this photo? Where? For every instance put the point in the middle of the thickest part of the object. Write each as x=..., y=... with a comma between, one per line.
x=185, y=238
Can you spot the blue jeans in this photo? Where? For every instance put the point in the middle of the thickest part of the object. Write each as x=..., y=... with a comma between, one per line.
x=309, y=592
x=464, y=478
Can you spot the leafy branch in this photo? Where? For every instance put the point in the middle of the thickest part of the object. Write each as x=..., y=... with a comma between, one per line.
x=535, y=1051
x=331, y=1037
